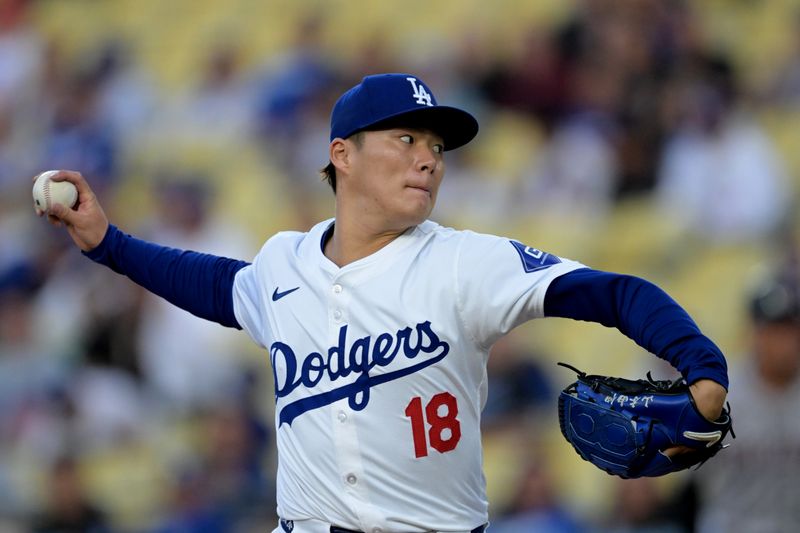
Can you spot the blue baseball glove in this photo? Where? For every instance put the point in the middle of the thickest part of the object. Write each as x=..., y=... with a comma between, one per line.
x=623, y=426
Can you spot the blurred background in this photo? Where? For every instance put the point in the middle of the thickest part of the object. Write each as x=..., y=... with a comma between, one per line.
x=658, y=138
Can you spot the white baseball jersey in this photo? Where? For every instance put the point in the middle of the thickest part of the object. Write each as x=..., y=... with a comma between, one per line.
x=380, y=369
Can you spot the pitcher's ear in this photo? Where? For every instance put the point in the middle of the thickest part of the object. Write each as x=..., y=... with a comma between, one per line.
x=339, y=153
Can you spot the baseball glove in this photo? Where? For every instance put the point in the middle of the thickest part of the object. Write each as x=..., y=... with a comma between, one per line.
x=623, y=426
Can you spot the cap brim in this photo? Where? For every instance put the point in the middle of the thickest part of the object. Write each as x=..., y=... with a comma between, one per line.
x=455, y=126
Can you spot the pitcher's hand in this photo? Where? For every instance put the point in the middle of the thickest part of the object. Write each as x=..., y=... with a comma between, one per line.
x=86, y=223
x=709, y=397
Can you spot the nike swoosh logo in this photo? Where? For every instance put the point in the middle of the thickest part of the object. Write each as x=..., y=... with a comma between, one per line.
x=278, y=295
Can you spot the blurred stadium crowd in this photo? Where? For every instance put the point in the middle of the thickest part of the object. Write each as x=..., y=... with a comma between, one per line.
x=652, y=137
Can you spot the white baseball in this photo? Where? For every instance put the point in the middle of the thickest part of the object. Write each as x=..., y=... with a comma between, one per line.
x=47, y=192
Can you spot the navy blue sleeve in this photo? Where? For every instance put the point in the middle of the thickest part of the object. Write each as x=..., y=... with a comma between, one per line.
x=643, y=312
x=199, y=283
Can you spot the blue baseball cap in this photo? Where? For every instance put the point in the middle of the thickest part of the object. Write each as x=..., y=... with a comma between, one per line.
x=382, y=101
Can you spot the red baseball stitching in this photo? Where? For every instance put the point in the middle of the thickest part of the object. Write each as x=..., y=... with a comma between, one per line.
x=46, y=191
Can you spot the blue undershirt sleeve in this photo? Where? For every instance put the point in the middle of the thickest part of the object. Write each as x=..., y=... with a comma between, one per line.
x=201, y=284
x=641, y=311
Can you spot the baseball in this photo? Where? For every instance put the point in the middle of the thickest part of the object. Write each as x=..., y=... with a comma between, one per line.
x=47, y=192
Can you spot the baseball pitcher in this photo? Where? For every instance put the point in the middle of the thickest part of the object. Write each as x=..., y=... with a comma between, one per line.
x=378, y=322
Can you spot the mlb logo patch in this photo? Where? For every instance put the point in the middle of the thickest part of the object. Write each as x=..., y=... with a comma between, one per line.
x=533, y=259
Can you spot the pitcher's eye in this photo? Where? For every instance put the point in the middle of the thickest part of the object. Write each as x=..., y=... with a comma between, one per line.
x=407, y=139
x=438, y=148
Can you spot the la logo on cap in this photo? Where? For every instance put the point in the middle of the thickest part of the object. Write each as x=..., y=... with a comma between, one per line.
x=422, y=96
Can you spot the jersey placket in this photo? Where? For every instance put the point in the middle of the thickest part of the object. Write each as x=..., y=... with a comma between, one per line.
x=343, y=421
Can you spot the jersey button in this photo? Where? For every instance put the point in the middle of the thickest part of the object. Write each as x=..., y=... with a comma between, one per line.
x=352, y=479
x=337, y=315
x=337, y=288
x=377, y=530
x=342, y=416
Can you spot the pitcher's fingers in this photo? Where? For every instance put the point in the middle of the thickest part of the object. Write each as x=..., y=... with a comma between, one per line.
x=64, y=213
x=676, y=450
x=77, y=179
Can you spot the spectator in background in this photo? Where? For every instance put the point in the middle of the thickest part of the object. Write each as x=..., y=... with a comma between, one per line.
x=218, y=109
x=69, y=509
x=189, y=507
x=294, y=82
x=127, y=96
x=292, y=113
x=534, y=81
x=234, y=452
x=109, y=406
x=575, y=173
x=753, y=485
x=22, y=57
x=720, y=175
x=29, y=373
x=224, y=487
x=620, y=52
x=184, y=362
x=518, y=386
x=79, y=135
x=536, y=506
x=21, y=54
x=641, y=507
